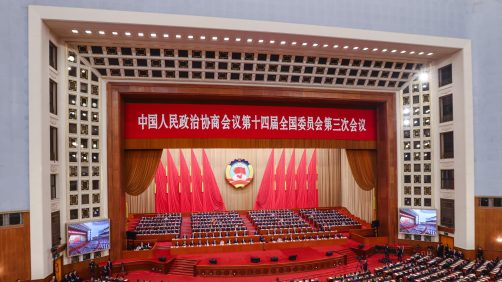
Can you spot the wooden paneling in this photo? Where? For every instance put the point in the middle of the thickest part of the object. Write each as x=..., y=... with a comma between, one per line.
x=384, y=103
x=446, y=240
x=488, y=228
x=15, y=251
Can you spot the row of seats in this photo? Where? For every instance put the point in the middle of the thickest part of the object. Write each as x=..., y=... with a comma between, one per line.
x=160, y=224
x=284, y=220
x=217, y=221
x=325, y=219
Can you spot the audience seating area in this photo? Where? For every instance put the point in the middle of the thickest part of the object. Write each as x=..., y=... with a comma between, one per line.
x=210, y=222
x=168, y=223
x=278, y=222
x=327, y=219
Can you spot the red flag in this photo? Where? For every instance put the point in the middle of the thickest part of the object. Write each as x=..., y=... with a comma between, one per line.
x=265, y=197
x=313, y=197
x=280, y=193
x=196, y=177
x=173, y=183
x=186, y=198
x=290, y=183
x=212, y=196
x=301, y=182
x=161, y=200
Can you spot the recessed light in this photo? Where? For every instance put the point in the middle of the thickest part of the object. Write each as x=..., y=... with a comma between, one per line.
x=226, y=38
x=190, y=37
x=178, y=36
x=393, y=51
x=430, y=54
x=260, y=41
x=315, y=45
x=271, y=41
x=214, y=38
x=335, y=46
x=237, y=39
x=345, y=47
x=406, y=110
x=406, y=122
x=384, y=50
x=115, y=33
x=101, y=32
x=355, y=48
x=325, y=45
x=402, y=52
x=293, y=43
x=374, y=49
x=304, y=44
x=88, y=32
x=74, y=31
x=249, y=40
x=365, y=48
x=202, y=37
x=421, y=53
x=412, y=52
x=141, y=34
x=127, y=33
x=423, y=76
x=153, y=35
x=165, y=35
x=283, y=42
x=71, y=59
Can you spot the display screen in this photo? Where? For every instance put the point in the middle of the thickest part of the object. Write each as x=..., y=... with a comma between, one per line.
x=88, y=237
x=418, y=221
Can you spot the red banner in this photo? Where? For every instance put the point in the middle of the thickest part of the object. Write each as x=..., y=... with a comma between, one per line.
x=144, y=121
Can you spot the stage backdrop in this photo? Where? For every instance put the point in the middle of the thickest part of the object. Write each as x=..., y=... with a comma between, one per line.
x=336, y=184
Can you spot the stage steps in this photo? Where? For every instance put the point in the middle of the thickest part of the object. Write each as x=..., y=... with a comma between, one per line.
x=183, y=267
x=249, y=225
x=186, y=226
x=351, y=256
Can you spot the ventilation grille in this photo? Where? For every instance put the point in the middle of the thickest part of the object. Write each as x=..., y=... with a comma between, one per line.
x=247, y=67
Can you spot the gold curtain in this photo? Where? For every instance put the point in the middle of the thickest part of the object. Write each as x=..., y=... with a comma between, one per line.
x=140, y=167
x=363, y=166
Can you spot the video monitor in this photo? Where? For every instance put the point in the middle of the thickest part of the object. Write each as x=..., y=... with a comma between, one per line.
x=418, y=221
x=88, y=237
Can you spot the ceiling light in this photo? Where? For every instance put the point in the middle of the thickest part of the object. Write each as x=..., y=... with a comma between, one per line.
x=74, y=31
x=335, y=46
x=293, y=43
x=499, y=239
x=153, y=35
x=404, y=51
x=315, y=45
x=226, y=38
x=304, y=44
x=406, y=122
x=346, y=47
x=127, y=33
x=101, y=32
x=249, y=40
x=365, y=48
x=406, y=110
x=190, y=37
x=430, y=54
x=325, y=45
x=237, y=39
x=421, y=53
x=283, y=42
x=260, y=41
x=115, y=33
x=355, y=48
x=272, y=41
x=88, y=32
x=178, y=36
x=202, y=37
x=165, y=35
x=71, y=58
x=384, y=50
x=412, y=52
x=393, y=51
x=423, y=76
x=214, y=38
x=374, y=49
x=141, y=34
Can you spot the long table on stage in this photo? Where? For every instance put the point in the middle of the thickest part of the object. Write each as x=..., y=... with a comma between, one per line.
x=256, y=246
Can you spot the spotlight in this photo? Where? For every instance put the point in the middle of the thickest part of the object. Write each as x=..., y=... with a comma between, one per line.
x=423, y=76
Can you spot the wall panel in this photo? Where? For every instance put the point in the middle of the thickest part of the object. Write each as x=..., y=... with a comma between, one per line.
x=15, y=251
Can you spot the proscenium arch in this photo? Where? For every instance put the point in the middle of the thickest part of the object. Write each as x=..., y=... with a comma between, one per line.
x=120, y=93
